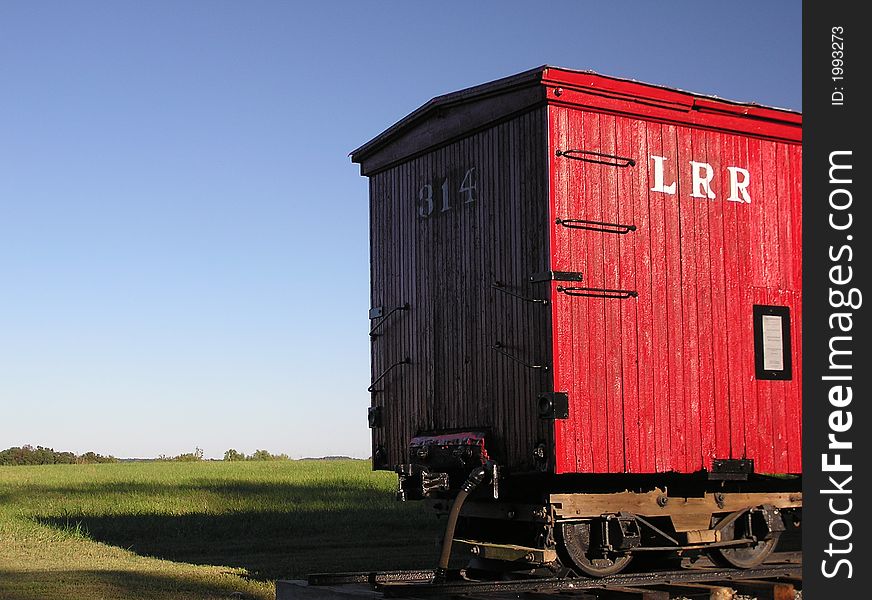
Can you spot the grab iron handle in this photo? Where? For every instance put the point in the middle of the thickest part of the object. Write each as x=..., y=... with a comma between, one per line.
x=597, y=292
x=405, y=361
x=372, y=332
x=500, y=286
x=498, y=346
x=619, y=228
x=598, y=157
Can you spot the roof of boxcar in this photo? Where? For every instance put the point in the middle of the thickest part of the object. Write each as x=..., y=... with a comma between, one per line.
x=558, y=85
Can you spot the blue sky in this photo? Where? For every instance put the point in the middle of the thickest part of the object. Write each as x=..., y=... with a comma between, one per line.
x=183, y=240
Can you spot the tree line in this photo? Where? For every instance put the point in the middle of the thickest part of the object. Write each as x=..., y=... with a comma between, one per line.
x=230, y=455
x=39, y=455
x=28, y=455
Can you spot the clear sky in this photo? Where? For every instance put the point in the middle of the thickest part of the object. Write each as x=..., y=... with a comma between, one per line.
x=183, y=240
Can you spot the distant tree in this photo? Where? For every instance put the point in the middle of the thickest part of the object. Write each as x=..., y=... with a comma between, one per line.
x=266, y=455
x=90, y=458
x=233, y=454
x=261, y=455
x=28, y=455
x=195, y=456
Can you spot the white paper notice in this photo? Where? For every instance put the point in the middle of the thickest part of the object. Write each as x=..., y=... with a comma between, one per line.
x=773, y=344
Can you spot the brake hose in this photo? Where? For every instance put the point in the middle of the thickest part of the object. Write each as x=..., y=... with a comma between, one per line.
x=475, y=479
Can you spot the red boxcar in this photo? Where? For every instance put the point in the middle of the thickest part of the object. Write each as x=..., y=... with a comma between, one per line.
x=586, y=290
x=599, y=275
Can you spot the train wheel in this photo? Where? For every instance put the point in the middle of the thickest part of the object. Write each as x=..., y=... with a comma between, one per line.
x=743, y=557
x=581, y=541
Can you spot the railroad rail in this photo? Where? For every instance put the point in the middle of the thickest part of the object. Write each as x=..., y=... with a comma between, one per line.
x=775, y=580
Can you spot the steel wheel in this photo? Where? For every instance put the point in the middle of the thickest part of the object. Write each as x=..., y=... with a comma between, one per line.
x=743, y=557
x=581, y=542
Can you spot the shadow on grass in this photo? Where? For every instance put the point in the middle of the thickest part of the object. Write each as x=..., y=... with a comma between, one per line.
x=30, y=585
x=284, y=530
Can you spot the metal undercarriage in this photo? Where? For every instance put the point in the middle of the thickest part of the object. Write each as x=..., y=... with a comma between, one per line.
x=599, y=534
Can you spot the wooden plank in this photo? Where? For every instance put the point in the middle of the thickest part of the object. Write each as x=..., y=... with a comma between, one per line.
x=784, y=218
x=757, y=218
x=638, y=191
x=387, y=340
x=540, y=260
x=613, y=376
x=702, y=536
x=511, y=223
x=430, y=300
x=771, y=242
x=703, y=119
x=785, y=249
x=662, y=363
x=687, y=234
x=376, y=239
x=734, y=328
x=417, y=369
x=577, y=315
x=717, y=370
x=395, y=382
x=795, y=162
x=385, y=348
x=627, y=193
x=546, y=320
x=691, y=521
x=581, y=313
x=767, y=209
x=534, y=205
x=707, y=328
x=794, y=424
x=399, y=326
x=780, y=396
x=748, y=257
x=646, y=504
x=528, y=348
x=490, y=181
x=474, y=283
x=508, y=552
x=565, y=431
x=674, y=320
x=764, y=590
x=590, y=206
x=767, y=397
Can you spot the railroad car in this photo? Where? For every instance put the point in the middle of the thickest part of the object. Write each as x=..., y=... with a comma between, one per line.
x=586, y=320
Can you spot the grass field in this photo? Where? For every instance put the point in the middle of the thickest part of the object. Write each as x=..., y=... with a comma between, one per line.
x=164, y=530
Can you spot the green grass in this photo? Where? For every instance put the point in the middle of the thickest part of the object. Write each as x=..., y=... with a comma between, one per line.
x=199, y=530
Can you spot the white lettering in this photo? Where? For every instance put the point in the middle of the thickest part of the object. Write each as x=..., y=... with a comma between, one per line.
x=737, y=186
x=702, y=184
x=829, y=467
x=658, y=177
x=832, y=573
x=846, y=525
x=702, y=174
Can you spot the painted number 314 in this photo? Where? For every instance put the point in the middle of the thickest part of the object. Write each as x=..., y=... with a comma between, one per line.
x=466, y=194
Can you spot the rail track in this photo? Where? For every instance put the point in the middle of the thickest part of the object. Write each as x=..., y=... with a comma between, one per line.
x=778, y=579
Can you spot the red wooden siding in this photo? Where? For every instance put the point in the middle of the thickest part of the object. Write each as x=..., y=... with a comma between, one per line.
x=444, y=267
x=665, y=381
